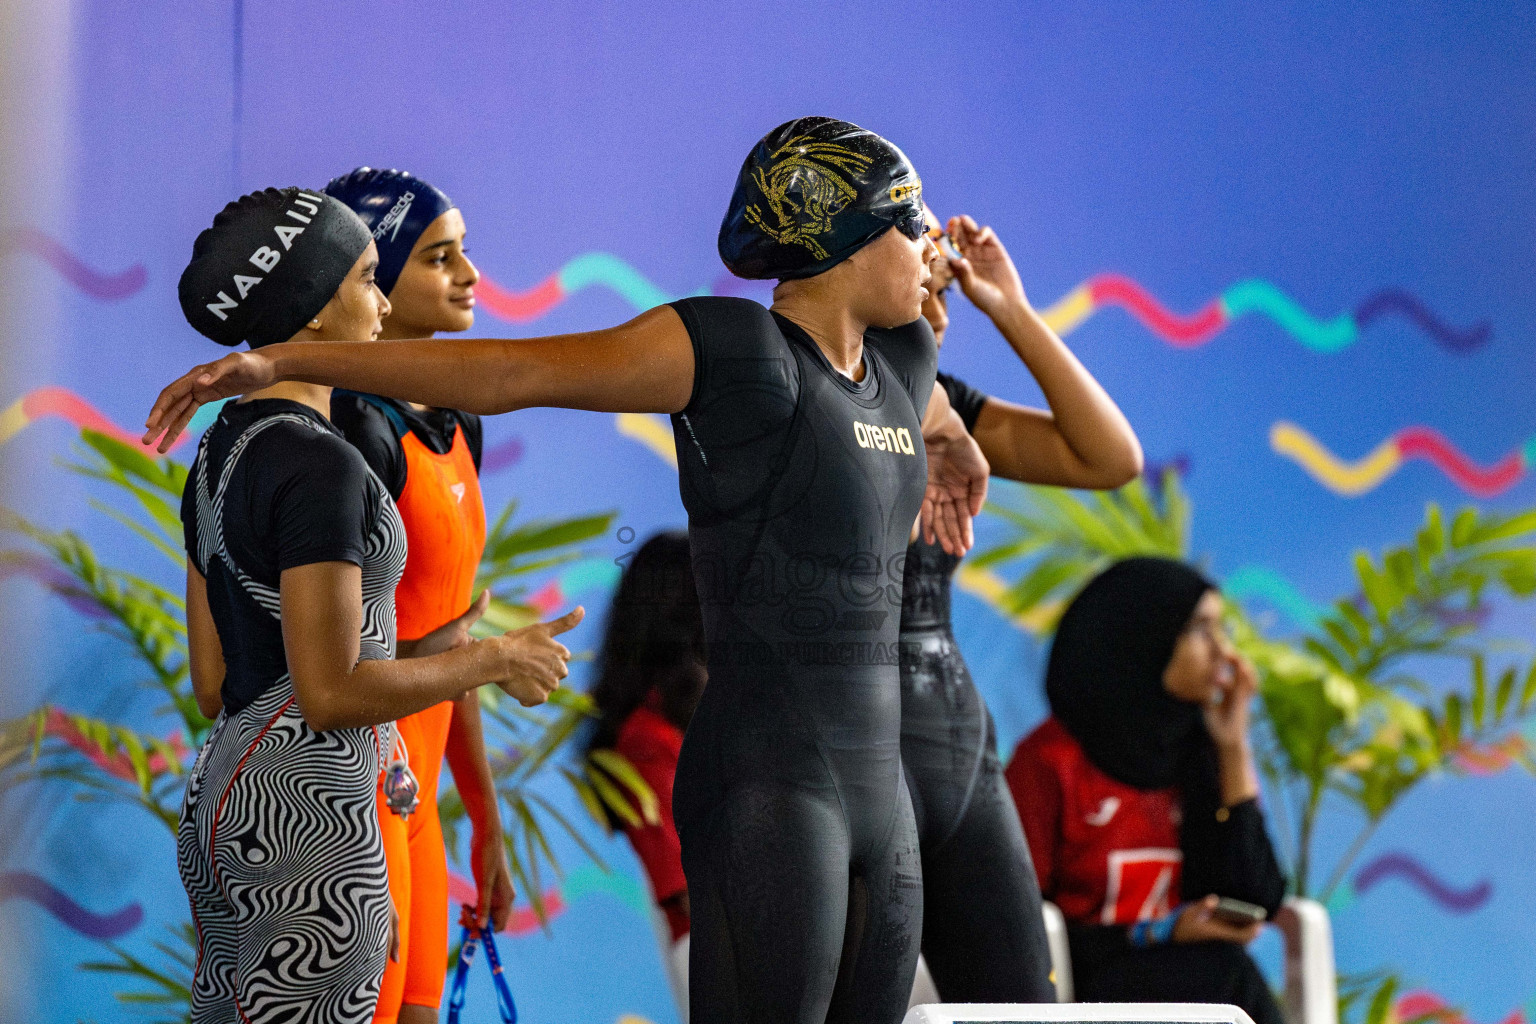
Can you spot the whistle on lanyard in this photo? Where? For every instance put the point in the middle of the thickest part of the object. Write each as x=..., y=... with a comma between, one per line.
x=401, y=790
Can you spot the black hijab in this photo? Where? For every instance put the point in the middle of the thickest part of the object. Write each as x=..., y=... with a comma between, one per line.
x=1105, y=678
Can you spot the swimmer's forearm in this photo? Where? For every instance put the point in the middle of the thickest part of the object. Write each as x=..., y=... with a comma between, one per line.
x=940, y=421
x=322, y=622
x=471, y=768
x=1084, y=441
x=645, y=365
x=480, y=375
x=375, y=692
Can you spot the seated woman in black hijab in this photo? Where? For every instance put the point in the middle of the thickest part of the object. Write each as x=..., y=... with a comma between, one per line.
x=1139, y=795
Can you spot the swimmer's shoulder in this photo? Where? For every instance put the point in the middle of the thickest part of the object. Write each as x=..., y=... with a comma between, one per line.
x=366, y=425
x=300, y=449
x=735, y=341
x=912, y=353
x=714, y=316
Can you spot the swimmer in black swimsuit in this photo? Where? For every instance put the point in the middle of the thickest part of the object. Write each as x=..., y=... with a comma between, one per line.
x=983, y=937
x=805, y=435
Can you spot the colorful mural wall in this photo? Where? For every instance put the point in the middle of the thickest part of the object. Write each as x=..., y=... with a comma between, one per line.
x=1294, y=241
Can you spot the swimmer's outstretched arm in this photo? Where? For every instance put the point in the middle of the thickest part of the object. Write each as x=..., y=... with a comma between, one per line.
x=322, y=606
x=645, y=365
x=1083, y=440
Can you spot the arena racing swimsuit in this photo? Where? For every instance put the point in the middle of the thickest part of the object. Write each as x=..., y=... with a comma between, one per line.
x=278, y=845
x=429, y=461
x=797, y=834
x=983, y=935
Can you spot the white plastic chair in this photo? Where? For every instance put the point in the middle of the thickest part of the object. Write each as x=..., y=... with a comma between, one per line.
x=1311, y=985
x=923, y=989
x=1061, y=952
x=674, y=959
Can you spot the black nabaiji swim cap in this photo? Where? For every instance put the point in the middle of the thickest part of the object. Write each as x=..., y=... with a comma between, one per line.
x=812, y=193
x=271, y=261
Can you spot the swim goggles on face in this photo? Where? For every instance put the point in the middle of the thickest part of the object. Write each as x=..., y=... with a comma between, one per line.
x=941, y=241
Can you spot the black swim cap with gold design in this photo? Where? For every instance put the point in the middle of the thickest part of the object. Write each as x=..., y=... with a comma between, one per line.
x=812, y=193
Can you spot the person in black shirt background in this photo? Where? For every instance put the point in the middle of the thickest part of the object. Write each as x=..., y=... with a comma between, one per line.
x=1141, y=791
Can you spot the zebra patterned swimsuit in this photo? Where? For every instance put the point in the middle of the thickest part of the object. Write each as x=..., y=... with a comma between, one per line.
x=278, y=843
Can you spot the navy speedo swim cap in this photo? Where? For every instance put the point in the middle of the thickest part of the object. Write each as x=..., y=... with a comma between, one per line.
x=269, y=263
x=812, y=193
x=397, y=207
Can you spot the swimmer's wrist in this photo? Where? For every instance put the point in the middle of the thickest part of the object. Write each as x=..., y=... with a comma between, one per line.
x=1021, y=324
x=278, y=357
x=490, y=662
x=484, y=818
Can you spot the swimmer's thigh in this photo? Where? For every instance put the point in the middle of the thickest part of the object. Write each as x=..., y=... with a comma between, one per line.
x=884, y=926
x=983, y=934
x=397, y=858
x=300, y=855
x=218, y=934
x=425, y=943
x=768, y=890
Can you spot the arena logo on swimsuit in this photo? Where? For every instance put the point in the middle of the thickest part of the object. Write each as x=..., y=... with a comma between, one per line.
x=266, y=257
x=884, y=438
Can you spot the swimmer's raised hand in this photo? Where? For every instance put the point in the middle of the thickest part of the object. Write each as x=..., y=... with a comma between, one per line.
x=985, y=271
x=238, y=373
x=957, y=488
x=957, y=477
x=533, y=661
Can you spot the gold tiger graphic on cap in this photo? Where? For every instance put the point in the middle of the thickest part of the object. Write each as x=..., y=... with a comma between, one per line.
x=804, y=189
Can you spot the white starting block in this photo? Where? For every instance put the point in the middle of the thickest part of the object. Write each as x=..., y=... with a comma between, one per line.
x=1066, y=1013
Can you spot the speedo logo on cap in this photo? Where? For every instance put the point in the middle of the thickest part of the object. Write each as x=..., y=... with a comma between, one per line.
x=266, y=257
x=395, y=217
x=884, y=439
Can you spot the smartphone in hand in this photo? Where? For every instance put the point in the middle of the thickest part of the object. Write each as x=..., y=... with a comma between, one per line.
x=1238, y=913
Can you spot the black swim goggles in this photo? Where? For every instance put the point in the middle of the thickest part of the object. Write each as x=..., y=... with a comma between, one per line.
x=912, y=225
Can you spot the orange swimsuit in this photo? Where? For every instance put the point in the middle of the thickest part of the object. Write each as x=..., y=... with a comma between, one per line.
x=445, y=530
